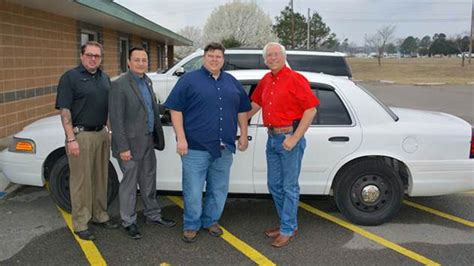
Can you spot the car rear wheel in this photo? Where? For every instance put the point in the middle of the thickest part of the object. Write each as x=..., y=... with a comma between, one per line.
x=59, y=184
x=368, y=192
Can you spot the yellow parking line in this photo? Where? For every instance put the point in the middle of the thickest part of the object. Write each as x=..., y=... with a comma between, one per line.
x=88, y=247
x=439, y=213
x=415, y=256
x=240, y=245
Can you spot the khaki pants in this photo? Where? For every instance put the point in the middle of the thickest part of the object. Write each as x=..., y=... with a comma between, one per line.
x=88, y=179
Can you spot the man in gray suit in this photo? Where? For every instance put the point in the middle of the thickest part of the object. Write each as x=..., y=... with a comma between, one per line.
x=136, y=130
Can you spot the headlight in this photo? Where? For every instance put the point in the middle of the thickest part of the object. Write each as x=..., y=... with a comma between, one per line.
x=22, y=145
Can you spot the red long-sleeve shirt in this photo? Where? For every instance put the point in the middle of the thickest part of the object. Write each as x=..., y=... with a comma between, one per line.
x=283, y=97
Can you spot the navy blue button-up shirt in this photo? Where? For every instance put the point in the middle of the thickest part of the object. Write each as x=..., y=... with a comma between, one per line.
x=145, y=92
x=210, y=108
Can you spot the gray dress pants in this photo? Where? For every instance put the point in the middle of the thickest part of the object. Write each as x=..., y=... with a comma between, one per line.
x=143, y=173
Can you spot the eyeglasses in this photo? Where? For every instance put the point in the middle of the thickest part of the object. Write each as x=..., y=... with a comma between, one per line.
x=95, y=56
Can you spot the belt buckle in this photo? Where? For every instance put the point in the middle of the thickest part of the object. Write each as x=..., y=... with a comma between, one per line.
x=77, y=129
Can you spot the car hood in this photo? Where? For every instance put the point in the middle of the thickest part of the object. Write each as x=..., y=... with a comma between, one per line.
x=407, y=115
x=44, y=123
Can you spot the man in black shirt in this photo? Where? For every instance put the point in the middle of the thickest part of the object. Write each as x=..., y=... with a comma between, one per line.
x=83, y=103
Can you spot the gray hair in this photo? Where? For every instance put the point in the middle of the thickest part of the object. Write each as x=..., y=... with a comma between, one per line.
x=282, y=49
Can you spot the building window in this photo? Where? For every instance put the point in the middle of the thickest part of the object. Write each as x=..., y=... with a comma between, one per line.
x=147, y=49
x=159, y=55
x=123, y=54
x=87, y=35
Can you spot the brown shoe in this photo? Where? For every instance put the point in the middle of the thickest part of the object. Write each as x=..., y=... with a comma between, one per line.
x=215, y=230
x=282, y=240
x=190, y=236
x=272, y=233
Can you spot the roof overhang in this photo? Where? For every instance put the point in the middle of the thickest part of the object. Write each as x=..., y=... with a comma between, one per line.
x=106, y=13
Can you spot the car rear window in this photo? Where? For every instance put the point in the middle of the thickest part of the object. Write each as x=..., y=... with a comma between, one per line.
x=331, y=65
x=244, y=61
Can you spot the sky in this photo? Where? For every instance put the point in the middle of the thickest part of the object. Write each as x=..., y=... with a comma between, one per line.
x=352, y=19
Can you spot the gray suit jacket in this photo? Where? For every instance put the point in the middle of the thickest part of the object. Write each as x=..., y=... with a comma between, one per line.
x=128, y=117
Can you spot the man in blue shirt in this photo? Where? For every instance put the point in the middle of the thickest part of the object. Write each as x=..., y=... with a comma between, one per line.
x=206, y=107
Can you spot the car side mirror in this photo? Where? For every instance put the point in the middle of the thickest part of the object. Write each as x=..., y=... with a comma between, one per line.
x=179, y=72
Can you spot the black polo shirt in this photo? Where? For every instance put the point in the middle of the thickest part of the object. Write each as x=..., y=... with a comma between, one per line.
x=85, y=95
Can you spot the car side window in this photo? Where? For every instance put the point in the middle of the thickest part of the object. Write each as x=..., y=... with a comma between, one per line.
x=193, y=64
x=331, y=110
x=249, y=88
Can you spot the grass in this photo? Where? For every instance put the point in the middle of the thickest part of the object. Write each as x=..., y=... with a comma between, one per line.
x=413, y=70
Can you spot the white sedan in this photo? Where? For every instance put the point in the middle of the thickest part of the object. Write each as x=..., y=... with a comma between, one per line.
x=364, y=153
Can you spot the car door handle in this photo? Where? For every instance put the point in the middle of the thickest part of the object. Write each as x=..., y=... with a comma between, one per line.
x=248, y=137
x=339, y=138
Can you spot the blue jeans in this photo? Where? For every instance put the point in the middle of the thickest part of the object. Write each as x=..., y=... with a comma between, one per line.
x=283, y=170
x=199, y=167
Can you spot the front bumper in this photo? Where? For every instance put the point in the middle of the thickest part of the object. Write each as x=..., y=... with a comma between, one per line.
x=432, y=178
x=22, y=168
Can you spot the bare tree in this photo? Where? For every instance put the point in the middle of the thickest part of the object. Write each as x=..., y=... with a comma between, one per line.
x=379, y=40
x=192, y=33
x=244, y=22
x=460, y=44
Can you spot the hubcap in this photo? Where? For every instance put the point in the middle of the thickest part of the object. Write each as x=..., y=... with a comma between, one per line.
x=370, y=194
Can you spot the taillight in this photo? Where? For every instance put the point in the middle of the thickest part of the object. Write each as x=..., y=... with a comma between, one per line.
x=472, y=144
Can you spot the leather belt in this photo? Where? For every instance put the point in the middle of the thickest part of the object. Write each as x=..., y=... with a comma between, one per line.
x=78, y=129
x=280, y=130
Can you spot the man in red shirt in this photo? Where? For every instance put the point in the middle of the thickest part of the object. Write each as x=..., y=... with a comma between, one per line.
x=288, y=106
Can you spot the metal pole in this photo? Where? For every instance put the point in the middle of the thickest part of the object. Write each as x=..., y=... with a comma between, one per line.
x=309, y=23
x=292, y=26
x=470, y=39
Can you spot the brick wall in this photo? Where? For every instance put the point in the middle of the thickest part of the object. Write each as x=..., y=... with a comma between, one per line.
x=111, y=62
x=36, y=48
x=153, y=56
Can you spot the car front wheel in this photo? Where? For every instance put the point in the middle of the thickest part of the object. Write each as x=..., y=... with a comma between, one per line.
x=59, y=184
x=368, y=192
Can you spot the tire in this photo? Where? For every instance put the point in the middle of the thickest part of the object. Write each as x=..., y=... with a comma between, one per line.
x=364, y=176
x=59, y=184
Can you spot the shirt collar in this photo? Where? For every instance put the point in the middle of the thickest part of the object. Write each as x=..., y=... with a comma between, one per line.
x=82, y=69
x=137, y=77
x=280, y=73
x=208, y=73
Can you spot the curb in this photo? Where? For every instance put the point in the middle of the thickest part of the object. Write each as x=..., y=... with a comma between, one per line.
x=470, y=83
x=429, y=84
x=11, y=188
x=387, y=81
x=4, y=182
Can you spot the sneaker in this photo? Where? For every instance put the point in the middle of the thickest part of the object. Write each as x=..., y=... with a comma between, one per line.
x=215, y=230
x=190, y=236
